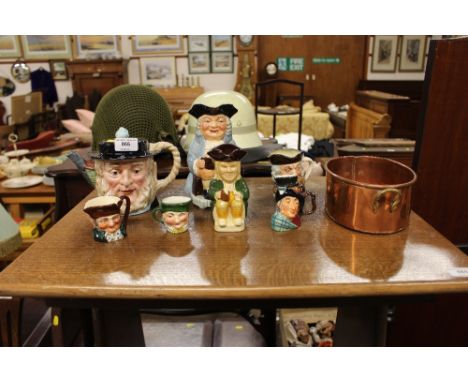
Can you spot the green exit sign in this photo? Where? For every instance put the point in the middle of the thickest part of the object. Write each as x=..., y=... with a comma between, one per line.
x=290, y=64
x=326, y=60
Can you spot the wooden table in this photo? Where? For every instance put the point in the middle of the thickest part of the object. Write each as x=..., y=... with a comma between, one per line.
x=320, y=264
x=16, y=198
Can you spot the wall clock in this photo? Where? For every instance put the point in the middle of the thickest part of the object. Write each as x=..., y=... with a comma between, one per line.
x=271, y=70
x=246, y=40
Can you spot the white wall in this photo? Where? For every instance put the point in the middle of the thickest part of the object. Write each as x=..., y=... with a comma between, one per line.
x=210, y=82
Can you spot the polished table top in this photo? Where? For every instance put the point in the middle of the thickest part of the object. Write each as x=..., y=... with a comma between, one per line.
x=319, y=260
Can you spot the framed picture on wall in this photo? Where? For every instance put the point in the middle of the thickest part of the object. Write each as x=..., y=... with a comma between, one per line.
x=10, y=47
x=413, y=53
x=99, y=46
x=199, y=63
x=157, y=44
x=222, y=62
x=158, y=71
x=59, y=71
x=198, y=43
x=384, y=54
x=221, y=43
x=39, y=47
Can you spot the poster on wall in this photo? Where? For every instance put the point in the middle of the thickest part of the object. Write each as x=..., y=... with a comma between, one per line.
x=384, y=54
x=46, y=47
x=158, y=71
x=9, y=47
x=413, y=52
x=100, y=46
x=157, y=44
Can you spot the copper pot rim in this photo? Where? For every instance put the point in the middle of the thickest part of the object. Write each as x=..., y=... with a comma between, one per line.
x=370, y=185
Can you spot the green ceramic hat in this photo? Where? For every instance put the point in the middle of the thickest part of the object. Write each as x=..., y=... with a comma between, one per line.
x=141, y=110
x=176, y=204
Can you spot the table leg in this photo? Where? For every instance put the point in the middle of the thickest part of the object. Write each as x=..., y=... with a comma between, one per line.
x=118, y=327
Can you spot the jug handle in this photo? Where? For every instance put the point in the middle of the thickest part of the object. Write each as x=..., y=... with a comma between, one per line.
x=127, y=209
x=309, y=168
x=378, y=199
x=160, y=146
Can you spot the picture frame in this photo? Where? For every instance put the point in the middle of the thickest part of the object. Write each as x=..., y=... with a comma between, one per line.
x=157, y=44
x=384, y=54
x=221, y=43
x=96, y=46
x=10, y=46
x=222, y=62
x=198, y=43
x=199, y=63
x=46, y=47
x=412, y=53
x=158, y=71
x=59, y=70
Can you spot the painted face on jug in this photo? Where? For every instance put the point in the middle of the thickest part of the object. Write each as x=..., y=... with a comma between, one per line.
x=213, y=127
x=292, y=169
x=289, y=206
x=109, y=224
x=176, y=220
x=229, y=172
x=127, y=178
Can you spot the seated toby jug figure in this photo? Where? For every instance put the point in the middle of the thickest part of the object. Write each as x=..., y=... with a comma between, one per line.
x=228, y=189
x=213, y=129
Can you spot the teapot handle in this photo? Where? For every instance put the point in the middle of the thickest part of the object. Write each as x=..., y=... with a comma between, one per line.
x=160, y=146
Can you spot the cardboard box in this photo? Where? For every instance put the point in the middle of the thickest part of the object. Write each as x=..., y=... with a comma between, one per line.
x=307, y=327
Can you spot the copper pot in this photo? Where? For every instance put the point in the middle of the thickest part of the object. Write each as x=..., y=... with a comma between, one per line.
x=369, y=194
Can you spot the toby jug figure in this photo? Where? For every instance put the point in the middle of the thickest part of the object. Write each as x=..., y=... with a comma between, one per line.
x=125, y=167
x=106, y=213
x=213, y=129
x=228, y=189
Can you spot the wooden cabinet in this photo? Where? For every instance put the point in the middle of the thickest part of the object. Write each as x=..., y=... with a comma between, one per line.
x=98, y=75
x=402, y=110
x=439, y=195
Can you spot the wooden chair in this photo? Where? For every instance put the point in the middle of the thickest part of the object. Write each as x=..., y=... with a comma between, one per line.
x=277, y=111
x=365, y=123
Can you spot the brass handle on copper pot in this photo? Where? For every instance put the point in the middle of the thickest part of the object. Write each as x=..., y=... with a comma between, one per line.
x=379, y=196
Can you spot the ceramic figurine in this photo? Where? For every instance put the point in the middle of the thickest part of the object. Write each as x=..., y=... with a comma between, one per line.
x=125, y=167
x=228, y=189
x=285, y=183
x=174, y=211
x=287, y=215
x=293, y=162
x=213, y=129
x=105, y=212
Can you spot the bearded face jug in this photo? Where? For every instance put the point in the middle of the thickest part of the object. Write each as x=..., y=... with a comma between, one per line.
x=125, y=167
x=369, y=194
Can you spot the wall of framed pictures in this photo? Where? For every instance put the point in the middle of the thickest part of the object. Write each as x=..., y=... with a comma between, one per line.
x=210, y=54
x=397, y=57
x=160, y=61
